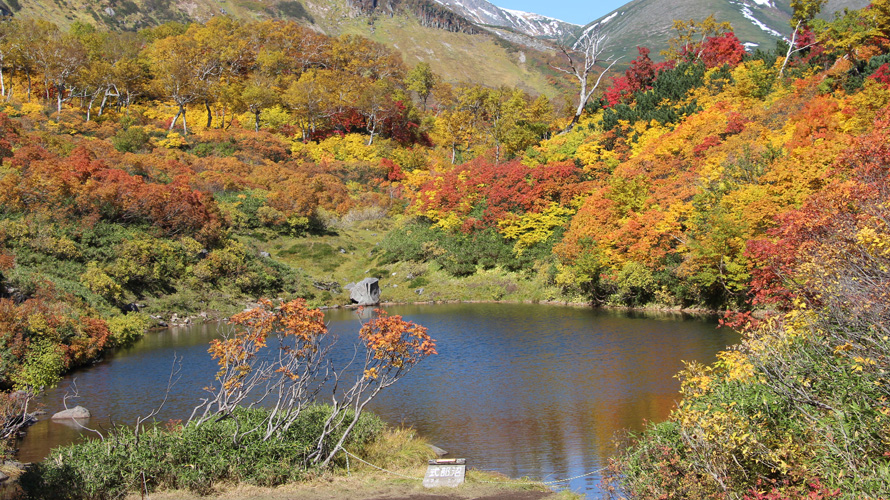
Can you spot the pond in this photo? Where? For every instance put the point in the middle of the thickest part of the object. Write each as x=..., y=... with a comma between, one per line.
x=525, y=390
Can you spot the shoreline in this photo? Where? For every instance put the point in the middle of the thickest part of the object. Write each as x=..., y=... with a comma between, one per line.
x=691, y=311
x=177, y=321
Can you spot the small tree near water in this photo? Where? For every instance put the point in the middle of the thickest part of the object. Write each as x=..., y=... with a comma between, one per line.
x=280, y=358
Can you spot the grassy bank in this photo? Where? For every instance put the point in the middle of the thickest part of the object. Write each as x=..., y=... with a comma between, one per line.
x=350, y=253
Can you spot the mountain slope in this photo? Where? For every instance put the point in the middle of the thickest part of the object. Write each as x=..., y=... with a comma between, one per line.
x=137, y=14
x=757, y=23
x=483, y=58
x=451, y=15
x=535, y=25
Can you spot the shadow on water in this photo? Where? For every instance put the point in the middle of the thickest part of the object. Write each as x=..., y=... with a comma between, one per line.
x=525, y=390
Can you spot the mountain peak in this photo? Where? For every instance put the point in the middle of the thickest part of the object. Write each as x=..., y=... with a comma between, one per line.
x=486, y=13
x=532, y=15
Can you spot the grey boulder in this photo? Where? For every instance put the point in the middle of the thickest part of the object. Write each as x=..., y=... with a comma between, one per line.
x=365, y=293
x=72, y=413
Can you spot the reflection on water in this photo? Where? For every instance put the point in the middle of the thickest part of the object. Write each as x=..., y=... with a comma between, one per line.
x=525, y=390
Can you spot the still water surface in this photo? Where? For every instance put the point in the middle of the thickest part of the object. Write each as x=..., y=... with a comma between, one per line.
x=525, y=390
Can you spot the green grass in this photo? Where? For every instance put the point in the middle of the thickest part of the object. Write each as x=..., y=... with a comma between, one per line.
x=320, y=258
x=322, y=255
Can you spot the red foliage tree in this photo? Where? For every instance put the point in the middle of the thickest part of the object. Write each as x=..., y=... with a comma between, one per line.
x=393, y=170
x=638, y=77
x=9, y=136
x=496, y=190
x=722, y=49
x=882, y=74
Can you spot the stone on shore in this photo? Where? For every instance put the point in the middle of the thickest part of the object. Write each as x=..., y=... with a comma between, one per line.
x=366, y=292
x=72, y=413
x=438, y=451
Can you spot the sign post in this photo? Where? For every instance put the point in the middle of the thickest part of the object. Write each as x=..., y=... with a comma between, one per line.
x=448, y=472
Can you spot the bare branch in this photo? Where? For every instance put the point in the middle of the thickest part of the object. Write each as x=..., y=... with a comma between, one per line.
x=77, y=422
x=174, y=377
x=791, y=48
x=582, y=59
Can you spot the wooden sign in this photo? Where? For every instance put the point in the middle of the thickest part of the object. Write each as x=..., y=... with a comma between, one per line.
x=449, y=472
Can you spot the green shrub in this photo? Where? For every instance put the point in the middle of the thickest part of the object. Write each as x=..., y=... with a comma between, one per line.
x=418, y=282
x=130, y=140
x=413, y=242
x=460, y=253
x=660, y=102
x=379, y=272
x=636, y=284
x=127, y=328
x=242, y=207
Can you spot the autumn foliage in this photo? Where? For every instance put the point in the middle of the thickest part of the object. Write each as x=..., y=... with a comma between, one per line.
x=154, y=166
x=765, y=419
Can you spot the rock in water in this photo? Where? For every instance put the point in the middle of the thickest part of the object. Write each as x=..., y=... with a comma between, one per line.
x=366, y=292
x=72, y=413
x=438, y=451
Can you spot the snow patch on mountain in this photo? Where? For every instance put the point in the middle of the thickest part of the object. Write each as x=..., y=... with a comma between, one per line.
x=609, y=17
x=531, y=15
x=601, y=23
x=749, y=15
x=535, y=25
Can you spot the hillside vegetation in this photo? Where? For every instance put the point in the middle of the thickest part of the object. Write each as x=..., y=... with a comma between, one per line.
x=190, y=168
